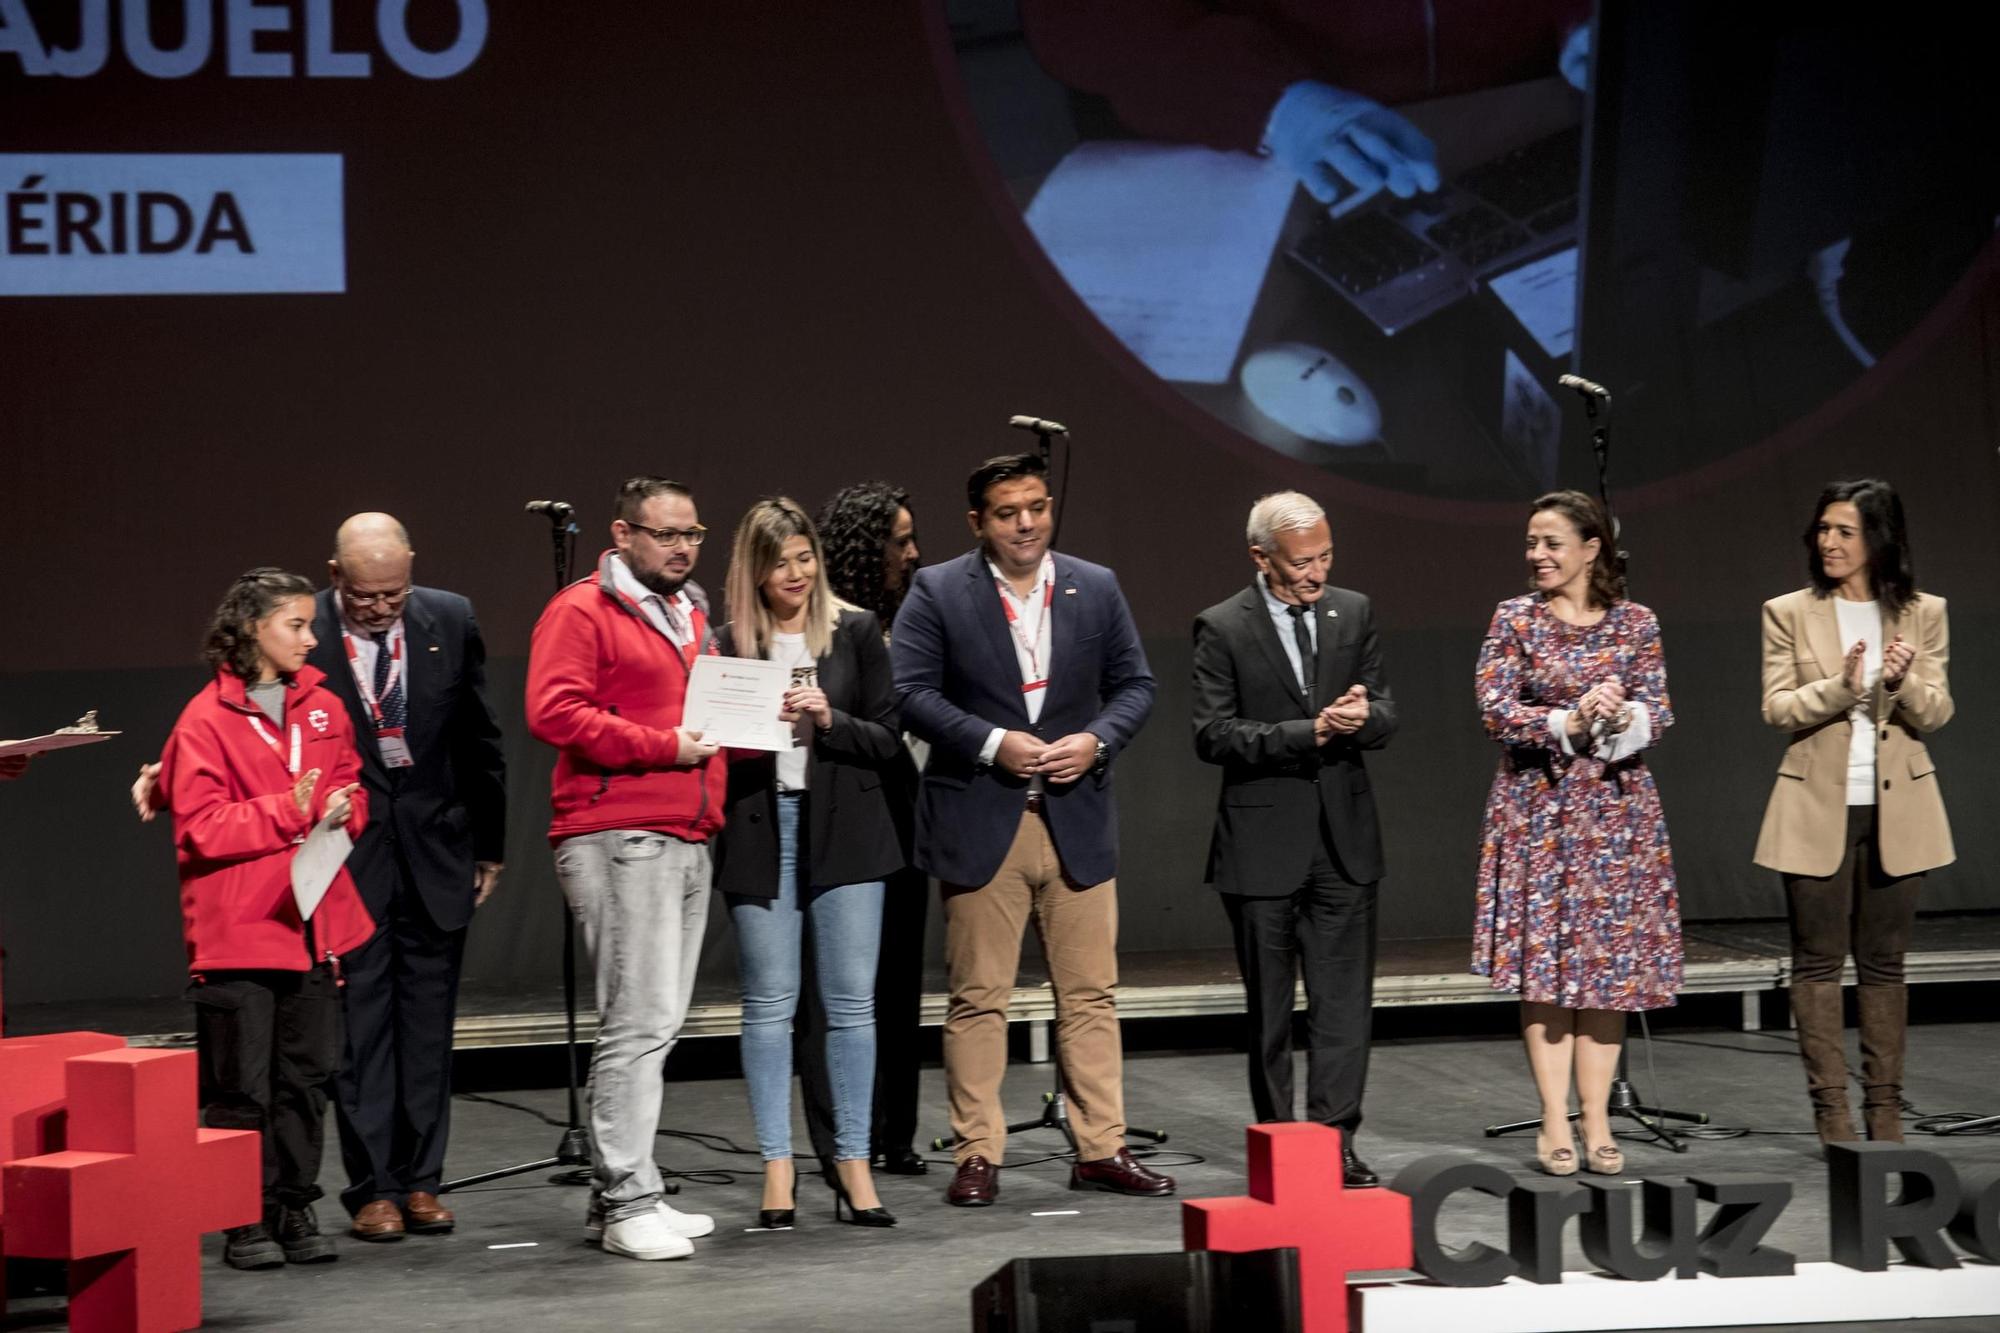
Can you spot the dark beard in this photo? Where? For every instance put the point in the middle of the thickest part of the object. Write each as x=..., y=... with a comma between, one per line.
x=659, y=582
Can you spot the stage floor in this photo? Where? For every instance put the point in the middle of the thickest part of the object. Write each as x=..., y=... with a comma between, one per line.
x=518, y=1259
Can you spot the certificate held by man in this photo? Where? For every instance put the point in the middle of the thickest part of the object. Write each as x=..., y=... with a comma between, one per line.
x=735, y=702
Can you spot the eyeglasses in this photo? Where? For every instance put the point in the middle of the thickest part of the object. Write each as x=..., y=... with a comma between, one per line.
x=396, y=598
x=693, y=536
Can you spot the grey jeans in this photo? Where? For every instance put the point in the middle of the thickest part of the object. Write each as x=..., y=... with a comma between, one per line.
x=641, y=900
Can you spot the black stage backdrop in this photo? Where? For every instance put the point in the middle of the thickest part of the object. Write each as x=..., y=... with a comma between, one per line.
x=764, y=248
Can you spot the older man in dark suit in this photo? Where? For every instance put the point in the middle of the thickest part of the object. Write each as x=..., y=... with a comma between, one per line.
x=1023, y=670
x=411, y=667
x=1288, y=693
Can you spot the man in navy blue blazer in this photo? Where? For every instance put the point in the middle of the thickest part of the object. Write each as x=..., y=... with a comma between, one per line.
x=1024, y=671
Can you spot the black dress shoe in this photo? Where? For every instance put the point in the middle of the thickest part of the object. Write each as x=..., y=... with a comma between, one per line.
x=1355, y=1173
x=902, y=1162
x=975, y=1184
x=1120, y=1173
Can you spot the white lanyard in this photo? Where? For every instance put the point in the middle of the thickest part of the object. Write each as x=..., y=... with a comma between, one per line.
x=362, y=684
x=272, y=741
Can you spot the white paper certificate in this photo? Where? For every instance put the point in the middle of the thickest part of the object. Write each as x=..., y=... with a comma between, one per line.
x=735, y=701
x=316, y=862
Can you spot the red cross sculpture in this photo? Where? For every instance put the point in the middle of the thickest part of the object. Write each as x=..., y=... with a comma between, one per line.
x=31, y=1098
x=129, y=1198
x=1297, y=1200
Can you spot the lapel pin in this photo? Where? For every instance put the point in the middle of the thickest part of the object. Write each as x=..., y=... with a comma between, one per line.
x=434, y=648
x=1069, y=592
x=1332, y=614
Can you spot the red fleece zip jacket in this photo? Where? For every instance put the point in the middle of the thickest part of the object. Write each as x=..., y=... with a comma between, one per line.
x=236, y=825
x=606, y=689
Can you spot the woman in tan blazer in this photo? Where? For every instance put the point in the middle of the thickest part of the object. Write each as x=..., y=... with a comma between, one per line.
x=1854, y=669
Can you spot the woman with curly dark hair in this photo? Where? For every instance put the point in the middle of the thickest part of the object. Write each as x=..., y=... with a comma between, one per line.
x=870, y=537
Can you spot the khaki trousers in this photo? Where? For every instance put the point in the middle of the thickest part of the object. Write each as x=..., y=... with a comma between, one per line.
x=1079, y=933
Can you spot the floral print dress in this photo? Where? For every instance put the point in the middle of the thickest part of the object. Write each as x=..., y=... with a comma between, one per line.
x=1577, y=905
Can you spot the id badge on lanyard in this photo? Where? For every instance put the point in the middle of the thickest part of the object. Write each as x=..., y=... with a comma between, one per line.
x=393, y=745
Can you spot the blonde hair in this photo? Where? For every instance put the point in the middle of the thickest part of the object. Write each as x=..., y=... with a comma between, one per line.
x=760, y=539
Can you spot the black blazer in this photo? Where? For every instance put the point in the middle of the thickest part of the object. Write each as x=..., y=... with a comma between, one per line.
x=449, y=808
x=958, y=678
x=850, y=835
x=1250, y=718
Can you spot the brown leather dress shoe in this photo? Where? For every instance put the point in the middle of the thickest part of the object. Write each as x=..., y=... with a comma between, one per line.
x=426, y=1215
x=1120, y=1173
x=379, y=1220
x=975, y=1184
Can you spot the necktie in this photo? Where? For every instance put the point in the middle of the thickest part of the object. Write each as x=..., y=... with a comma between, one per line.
x=1308, y=662
x=394, y=707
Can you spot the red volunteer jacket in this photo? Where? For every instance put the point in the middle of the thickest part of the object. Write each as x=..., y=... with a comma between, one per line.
x=235, y=825
x=606, y=689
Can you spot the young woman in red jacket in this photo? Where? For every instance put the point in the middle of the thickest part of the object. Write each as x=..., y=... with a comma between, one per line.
x=260, y=756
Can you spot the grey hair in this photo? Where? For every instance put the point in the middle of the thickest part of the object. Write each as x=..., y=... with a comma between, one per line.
x=1281, y=511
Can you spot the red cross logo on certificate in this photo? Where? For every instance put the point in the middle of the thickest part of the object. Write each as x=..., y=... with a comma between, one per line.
x=1296, y=1200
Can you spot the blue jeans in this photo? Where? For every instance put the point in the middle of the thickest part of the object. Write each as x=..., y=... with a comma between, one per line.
x=770, y=933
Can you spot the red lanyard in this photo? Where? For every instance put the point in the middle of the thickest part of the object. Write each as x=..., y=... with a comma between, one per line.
x=361, y=682
x=1042, y=629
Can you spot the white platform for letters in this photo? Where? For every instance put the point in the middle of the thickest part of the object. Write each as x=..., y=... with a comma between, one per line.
x=1815, y=1294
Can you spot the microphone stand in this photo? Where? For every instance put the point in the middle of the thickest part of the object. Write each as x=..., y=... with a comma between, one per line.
x=573, y=1149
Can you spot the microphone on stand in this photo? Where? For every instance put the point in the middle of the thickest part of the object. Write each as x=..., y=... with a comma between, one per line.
x=1588, y=388
x=556, y=511
x=1038, y=425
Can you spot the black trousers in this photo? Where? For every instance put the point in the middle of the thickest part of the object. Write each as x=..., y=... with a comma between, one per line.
x=1857, y=909
x=267, y=1043
x=899, y=999
x=394, y=1087
x=1326, y=928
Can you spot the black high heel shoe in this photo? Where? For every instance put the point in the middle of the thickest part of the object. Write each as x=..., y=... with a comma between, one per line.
x=860, y=1217
x=776, y=1219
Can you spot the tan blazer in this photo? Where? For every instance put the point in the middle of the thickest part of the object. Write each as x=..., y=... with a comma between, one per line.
x=1804, y=693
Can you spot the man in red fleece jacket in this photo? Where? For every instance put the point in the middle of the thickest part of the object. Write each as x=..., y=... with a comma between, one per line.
x=636, y=798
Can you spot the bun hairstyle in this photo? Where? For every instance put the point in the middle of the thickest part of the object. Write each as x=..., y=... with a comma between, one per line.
x=1586, y=513
x=231, y=644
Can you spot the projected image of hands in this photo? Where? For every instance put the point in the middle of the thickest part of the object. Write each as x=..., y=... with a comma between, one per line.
x=1372, y=244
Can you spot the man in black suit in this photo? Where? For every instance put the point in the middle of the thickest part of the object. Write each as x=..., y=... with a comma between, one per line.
x=1288, y=692
x=411, y=667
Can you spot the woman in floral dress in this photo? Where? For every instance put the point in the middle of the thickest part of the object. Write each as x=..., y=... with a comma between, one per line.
x=1577, y=908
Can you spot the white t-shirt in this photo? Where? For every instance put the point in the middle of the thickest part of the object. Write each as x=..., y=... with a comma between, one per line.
x=790, y=650
x=1861, y=621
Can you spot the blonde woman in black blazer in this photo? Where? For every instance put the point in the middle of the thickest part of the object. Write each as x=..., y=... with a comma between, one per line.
x=806, y=841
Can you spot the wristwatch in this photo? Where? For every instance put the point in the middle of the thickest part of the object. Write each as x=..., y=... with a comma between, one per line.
x=1097, y=765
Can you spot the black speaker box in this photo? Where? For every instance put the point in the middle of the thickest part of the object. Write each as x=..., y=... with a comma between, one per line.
x=1202, y=1291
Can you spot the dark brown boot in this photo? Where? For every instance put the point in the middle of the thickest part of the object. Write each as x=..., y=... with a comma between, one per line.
x=1885, y=1015
x=1816, y=1009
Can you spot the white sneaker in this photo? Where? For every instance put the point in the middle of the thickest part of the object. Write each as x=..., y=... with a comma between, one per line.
x=689, y=1225
x=646, y=1236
